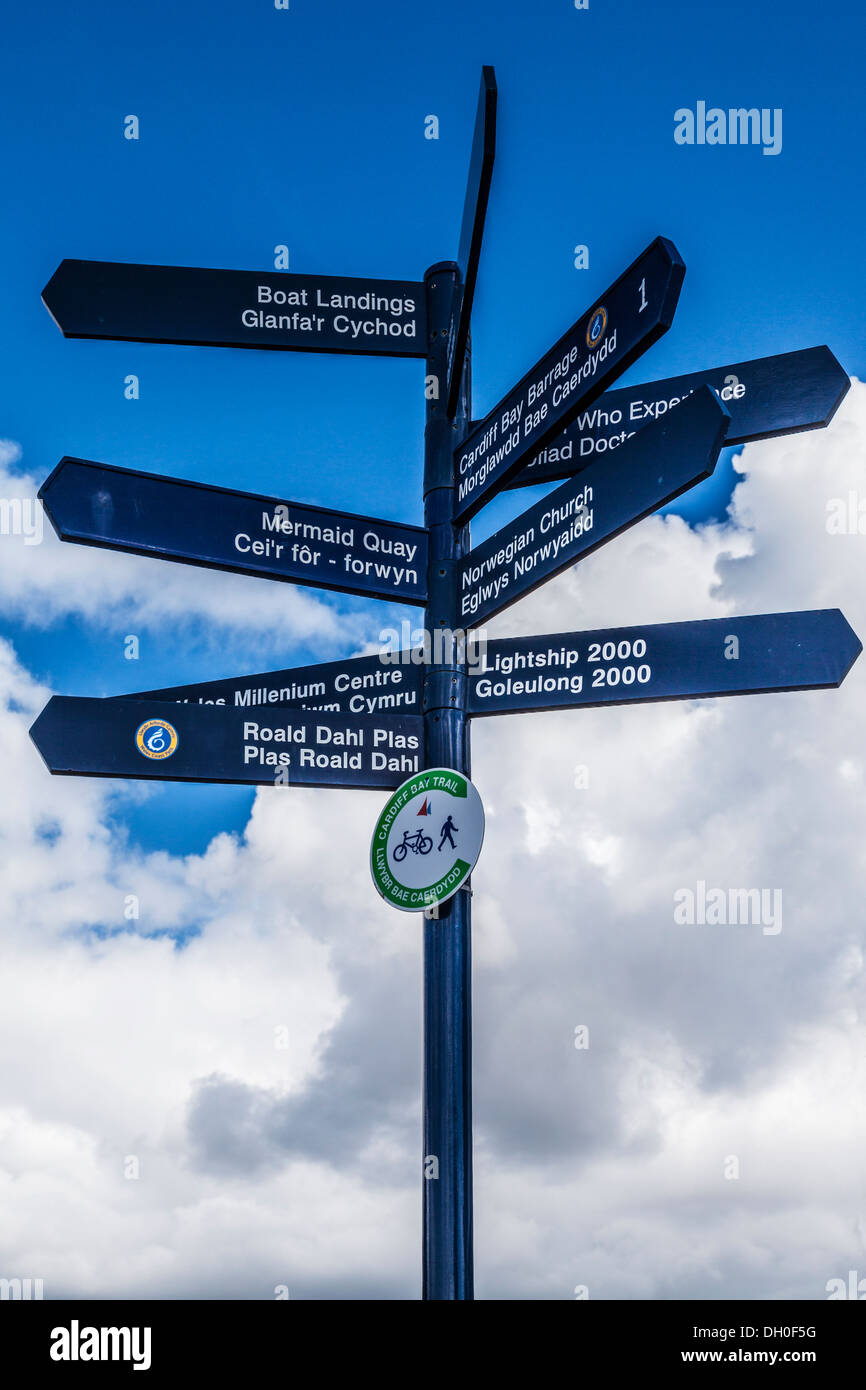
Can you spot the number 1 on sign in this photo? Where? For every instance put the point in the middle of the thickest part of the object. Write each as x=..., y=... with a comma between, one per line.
x=643, y=298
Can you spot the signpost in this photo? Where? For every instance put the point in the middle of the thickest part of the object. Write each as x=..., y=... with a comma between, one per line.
x=387, y=720
x=237, y=308
x=472, y=230
x=122, y=509
x=664, y=661
x=628, y=318
x=766, y=397
x=204, y=743
x=663, y=460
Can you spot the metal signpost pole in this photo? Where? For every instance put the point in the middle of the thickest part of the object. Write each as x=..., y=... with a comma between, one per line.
x=447, y=1123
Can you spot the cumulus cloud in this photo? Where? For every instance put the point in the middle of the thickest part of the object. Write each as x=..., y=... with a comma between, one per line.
x=253, y=1038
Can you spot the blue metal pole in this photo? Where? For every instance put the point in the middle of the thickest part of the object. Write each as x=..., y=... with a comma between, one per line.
x=448, y=1264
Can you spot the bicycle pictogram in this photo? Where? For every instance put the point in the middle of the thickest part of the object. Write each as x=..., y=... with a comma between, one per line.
x=416, y=840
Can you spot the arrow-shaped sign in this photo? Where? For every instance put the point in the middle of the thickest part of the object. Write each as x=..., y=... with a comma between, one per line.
x=766, y=397
x=123, y=509
x=204, y=743
x=664, y=661
x=627, y=319
x=388, y=683
x=472, y=228
x=237, y=308
x=663, y=460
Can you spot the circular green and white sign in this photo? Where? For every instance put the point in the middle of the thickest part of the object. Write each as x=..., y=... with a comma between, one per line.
x=427, y=839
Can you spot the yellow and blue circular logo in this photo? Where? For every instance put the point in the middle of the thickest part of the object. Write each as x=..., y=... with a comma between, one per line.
x=597, y=325
x=156, y=738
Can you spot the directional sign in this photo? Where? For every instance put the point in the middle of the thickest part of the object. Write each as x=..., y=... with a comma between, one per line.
x=619, y=326
x=390, y=682
x=663, y=460
x=203, y=743
x=122, y=509
x=664, y=661
x=427, y=839
x=472, y=229
x=766, y=397
x=237, y=308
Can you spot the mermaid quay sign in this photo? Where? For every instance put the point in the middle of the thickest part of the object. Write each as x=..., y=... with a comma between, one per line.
x=122, y=509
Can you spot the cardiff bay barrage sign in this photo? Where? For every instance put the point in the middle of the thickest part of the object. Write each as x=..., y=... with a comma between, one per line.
x=400, y=721
x=604, y=341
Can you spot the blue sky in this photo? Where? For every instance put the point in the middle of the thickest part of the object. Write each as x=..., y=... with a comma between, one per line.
x=306, y=127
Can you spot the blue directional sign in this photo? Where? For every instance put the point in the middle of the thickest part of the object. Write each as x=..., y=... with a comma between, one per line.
x=123, y=509
x=237, y=308
x=627, y=319
x=389, y=682
x=205, y=743
x=766, y=397
x=663, y=661
x=663, y=460
x=472, y=228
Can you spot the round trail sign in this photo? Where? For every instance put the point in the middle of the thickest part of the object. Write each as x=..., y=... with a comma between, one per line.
x=427, y=839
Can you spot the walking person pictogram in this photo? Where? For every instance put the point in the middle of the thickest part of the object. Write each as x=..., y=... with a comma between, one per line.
x=448, y=833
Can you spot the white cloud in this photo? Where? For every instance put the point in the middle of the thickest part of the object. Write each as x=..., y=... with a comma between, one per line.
x=603, y=1167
